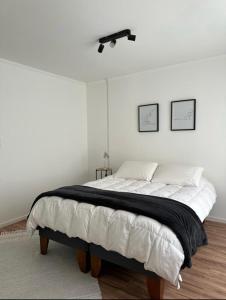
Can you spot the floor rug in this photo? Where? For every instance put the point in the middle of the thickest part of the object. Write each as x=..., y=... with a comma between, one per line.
x=25, y=274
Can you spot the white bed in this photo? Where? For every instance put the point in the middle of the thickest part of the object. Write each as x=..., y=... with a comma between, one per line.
x=133, y=236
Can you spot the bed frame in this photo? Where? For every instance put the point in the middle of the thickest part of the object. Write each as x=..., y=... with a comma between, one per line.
x=90, y=256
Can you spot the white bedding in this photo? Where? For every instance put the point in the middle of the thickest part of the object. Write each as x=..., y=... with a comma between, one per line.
x=133, y=236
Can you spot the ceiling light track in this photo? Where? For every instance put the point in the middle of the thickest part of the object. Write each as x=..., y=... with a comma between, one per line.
x=115, y=36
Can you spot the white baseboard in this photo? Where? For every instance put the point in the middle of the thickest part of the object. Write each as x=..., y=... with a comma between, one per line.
x=12, y=221
x=215, y=219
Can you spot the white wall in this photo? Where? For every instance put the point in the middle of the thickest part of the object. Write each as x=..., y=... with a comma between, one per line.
x=204, y=80
x=43, y=136
x=43, y=127
x=97, y=125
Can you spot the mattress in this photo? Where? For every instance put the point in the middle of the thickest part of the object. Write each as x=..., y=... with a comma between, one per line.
x=133, y=236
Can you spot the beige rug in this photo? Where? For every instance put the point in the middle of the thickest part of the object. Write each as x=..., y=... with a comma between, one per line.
x=25, y=274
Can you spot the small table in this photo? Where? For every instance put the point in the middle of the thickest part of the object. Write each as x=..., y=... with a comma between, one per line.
x=105, y=171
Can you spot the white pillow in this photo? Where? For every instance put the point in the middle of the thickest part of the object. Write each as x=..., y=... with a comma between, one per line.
x=178, y=174
x=140, y=170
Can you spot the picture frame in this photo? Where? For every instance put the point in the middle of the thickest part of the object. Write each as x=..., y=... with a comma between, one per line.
x=148, y=117
x=183, y=115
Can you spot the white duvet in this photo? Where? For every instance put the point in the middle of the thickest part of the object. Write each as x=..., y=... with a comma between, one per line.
x=133, y=236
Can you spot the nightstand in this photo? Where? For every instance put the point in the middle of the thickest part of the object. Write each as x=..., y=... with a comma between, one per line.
x=104, y=172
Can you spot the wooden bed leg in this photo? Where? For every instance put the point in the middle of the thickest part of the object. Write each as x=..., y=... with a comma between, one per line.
x=44, y=242
x=95, y=266
x=155, y=287
x=83, y=260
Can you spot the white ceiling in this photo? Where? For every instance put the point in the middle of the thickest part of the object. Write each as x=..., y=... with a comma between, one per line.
x=60, y=36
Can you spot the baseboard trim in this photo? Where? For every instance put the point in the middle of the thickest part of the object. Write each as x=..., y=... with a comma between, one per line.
x=12, y=221
x=215, y=219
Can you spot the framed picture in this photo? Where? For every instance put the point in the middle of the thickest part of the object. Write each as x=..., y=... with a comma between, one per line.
x=148, y=117
x=183, y=114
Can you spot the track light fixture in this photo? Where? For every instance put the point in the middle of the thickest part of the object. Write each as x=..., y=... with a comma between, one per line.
x=115, y=36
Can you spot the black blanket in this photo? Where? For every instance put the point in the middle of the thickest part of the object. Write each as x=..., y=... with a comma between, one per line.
x=180, y=218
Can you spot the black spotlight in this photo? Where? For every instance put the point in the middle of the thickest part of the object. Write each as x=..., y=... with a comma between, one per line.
x=131, y=37
x=101, y=48
x=112, y=43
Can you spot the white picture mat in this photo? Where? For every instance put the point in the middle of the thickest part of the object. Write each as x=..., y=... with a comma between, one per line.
x=148, y=118
x=183, y=114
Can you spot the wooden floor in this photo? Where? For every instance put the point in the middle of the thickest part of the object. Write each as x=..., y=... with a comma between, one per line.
x=205, y=280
